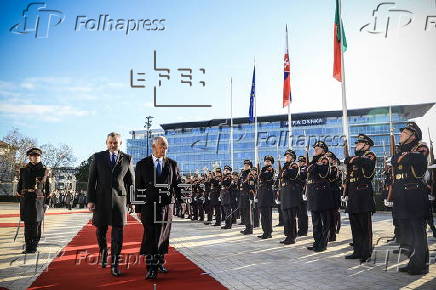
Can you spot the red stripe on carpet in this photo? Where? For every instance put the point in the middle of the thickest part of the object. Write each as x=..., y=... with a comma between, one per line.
x=10, y=225
x=9, y=215
x=76, y=268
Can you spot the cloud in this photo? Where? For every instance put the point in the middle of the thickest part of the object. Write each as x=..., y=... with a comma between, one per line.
x=49, y=113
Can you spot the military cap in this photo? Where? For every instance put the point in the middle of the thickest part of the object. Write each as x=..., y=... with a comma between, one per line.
x=414, y=128
x=301, y=158
x=321, y=144
x=362, y=138
x=228, y=168
x=34, y=151
x=269, y=157
x=218, y=169
x=248, y=162
x=290, y=152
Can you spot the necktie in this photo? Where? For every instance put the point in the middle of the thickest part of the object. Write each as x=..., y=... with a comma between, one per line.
x=158, y=168
x=113, y=160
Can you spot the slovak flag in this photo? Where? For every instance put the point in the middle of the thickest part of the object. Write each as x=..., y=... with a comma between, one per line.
x=287, y=75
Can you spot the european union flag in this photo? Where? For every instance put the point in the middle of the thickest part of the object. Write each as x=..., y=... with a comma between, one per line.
x=252, y=95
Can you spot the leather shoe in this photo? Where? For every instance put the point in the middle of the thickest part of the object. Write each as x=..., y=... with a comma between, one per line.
x=225, y=228
x=151, y=274
x=352, y=256
x=403, y=269
x=310, y=248
x=115, y=271
x=247, y=232
x=162, y=269
x=418, y=272
x=289, y=242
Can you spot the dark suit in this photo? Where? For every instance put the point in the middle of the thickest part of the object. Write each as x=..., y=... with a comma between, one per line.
x=108, y=188
x=157, y=228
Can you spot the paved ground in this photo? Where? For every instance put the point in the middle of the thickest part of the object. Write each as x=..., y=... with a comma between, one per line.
x=18, y=271
x=237, y=261
x=246, y=262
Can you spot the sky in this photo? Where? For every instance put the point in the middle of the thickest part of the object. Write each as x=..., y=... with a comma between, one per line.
x=73, y=86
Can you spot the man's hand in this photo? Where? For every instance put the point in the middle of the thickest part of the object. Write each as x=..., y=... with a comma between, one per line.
x=91, y=206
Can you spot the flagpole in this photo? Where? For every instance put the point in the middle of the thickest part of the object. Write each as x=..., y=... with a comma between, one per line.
x=255, y=123
x=289, y=104
x=231, y=122
x=344, y=94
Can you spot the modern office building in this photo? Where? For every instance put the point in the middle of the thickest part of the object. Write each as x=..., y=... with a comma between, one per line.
x=206, y=144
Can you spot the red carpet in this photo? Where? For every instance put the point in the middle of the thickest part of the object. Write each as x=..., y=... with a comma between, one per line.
x=73, y=270
x=10, y=215
x=10, y=225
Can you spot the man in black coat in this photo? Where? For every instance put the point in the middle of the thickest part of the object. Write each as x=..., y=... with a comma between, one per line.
x=410, y=198
x=290, y=186
x=303, y=220
x=157, y=179
x=265, y=197
x=33, y=189
x=246, y=196
x=226, y=197
x=361, y=205
x=110, y=177
x=320, y=199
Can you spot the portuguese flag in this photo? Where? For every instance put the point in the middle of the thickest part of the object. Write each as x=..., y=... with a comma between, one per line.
x=339, y=39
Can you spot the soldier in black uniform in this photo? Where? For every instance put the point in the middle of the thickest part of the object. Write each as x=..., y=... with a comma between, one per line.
x=215, y=191
x=302, y=217
x=410, y=199
x=265, y=196
x=319, y=196
x=246, y=187
x=234, y=193
x=291, y=186
x=255, y=205
x=336, y=191
x=206, y=204
x=33, y=189
x=226, y=198
x=361, y=205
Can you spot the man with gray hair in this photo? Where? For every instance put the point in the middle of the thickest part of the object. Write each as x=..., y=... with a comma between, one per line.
x=157, y=178
x=110, y=176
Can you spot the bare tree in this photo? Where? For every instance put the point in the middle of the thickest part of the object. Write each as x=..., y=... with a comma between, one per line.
x=57, y=156
x=21, y=143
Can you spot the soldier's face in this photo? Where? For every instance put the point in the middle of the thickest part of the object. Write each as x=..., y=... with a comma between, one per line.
x=267, y=163
x=34, y=158
x=406, y=136
x=113, y=143
x=160, y=149
x=318, y=151
x=288, y=158
x=301, y=163
x=360, y=146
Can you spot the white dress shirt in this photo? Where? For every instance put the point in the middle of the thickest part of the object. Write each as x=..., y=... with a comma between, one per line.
x=155, y=159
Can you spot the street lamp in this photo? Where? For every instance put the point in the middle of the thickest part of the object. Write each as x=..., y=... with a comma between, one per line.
x=147, y=127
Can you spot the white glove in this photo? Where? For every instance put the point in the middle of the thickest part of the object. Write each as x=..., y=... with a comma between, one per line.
x=344, y=198
x=278, y=201
x=219, y=198
x=304, y=197
x=430, y=197
x=388, y=203
x=255, y=200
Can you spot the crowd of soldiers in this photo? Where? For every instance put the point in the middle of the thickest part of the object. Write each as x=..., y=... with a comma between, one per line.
x=322, y=186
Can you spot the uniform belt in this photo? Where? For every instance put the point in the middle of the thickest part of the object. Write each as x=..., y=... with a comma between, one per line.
x=399, y=176
x=29, y=190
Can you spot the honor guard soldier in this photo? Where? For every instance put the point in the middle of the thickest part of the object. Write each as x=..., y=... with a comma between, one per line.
x=246, y=196
x=255, y=208
x=410, y=198
x=335, y=180
x=33, y=189
x=207, y=206
x=265, y=196
x=360, y=202
x=234, y=193
x=225, y=197
x=320, y=199
x=215, y=190
x=291, y=186
x=302, y=209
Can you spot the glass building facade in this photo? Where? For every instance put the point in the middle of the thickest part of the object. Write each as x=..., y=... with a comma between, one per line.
x=206, y=144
